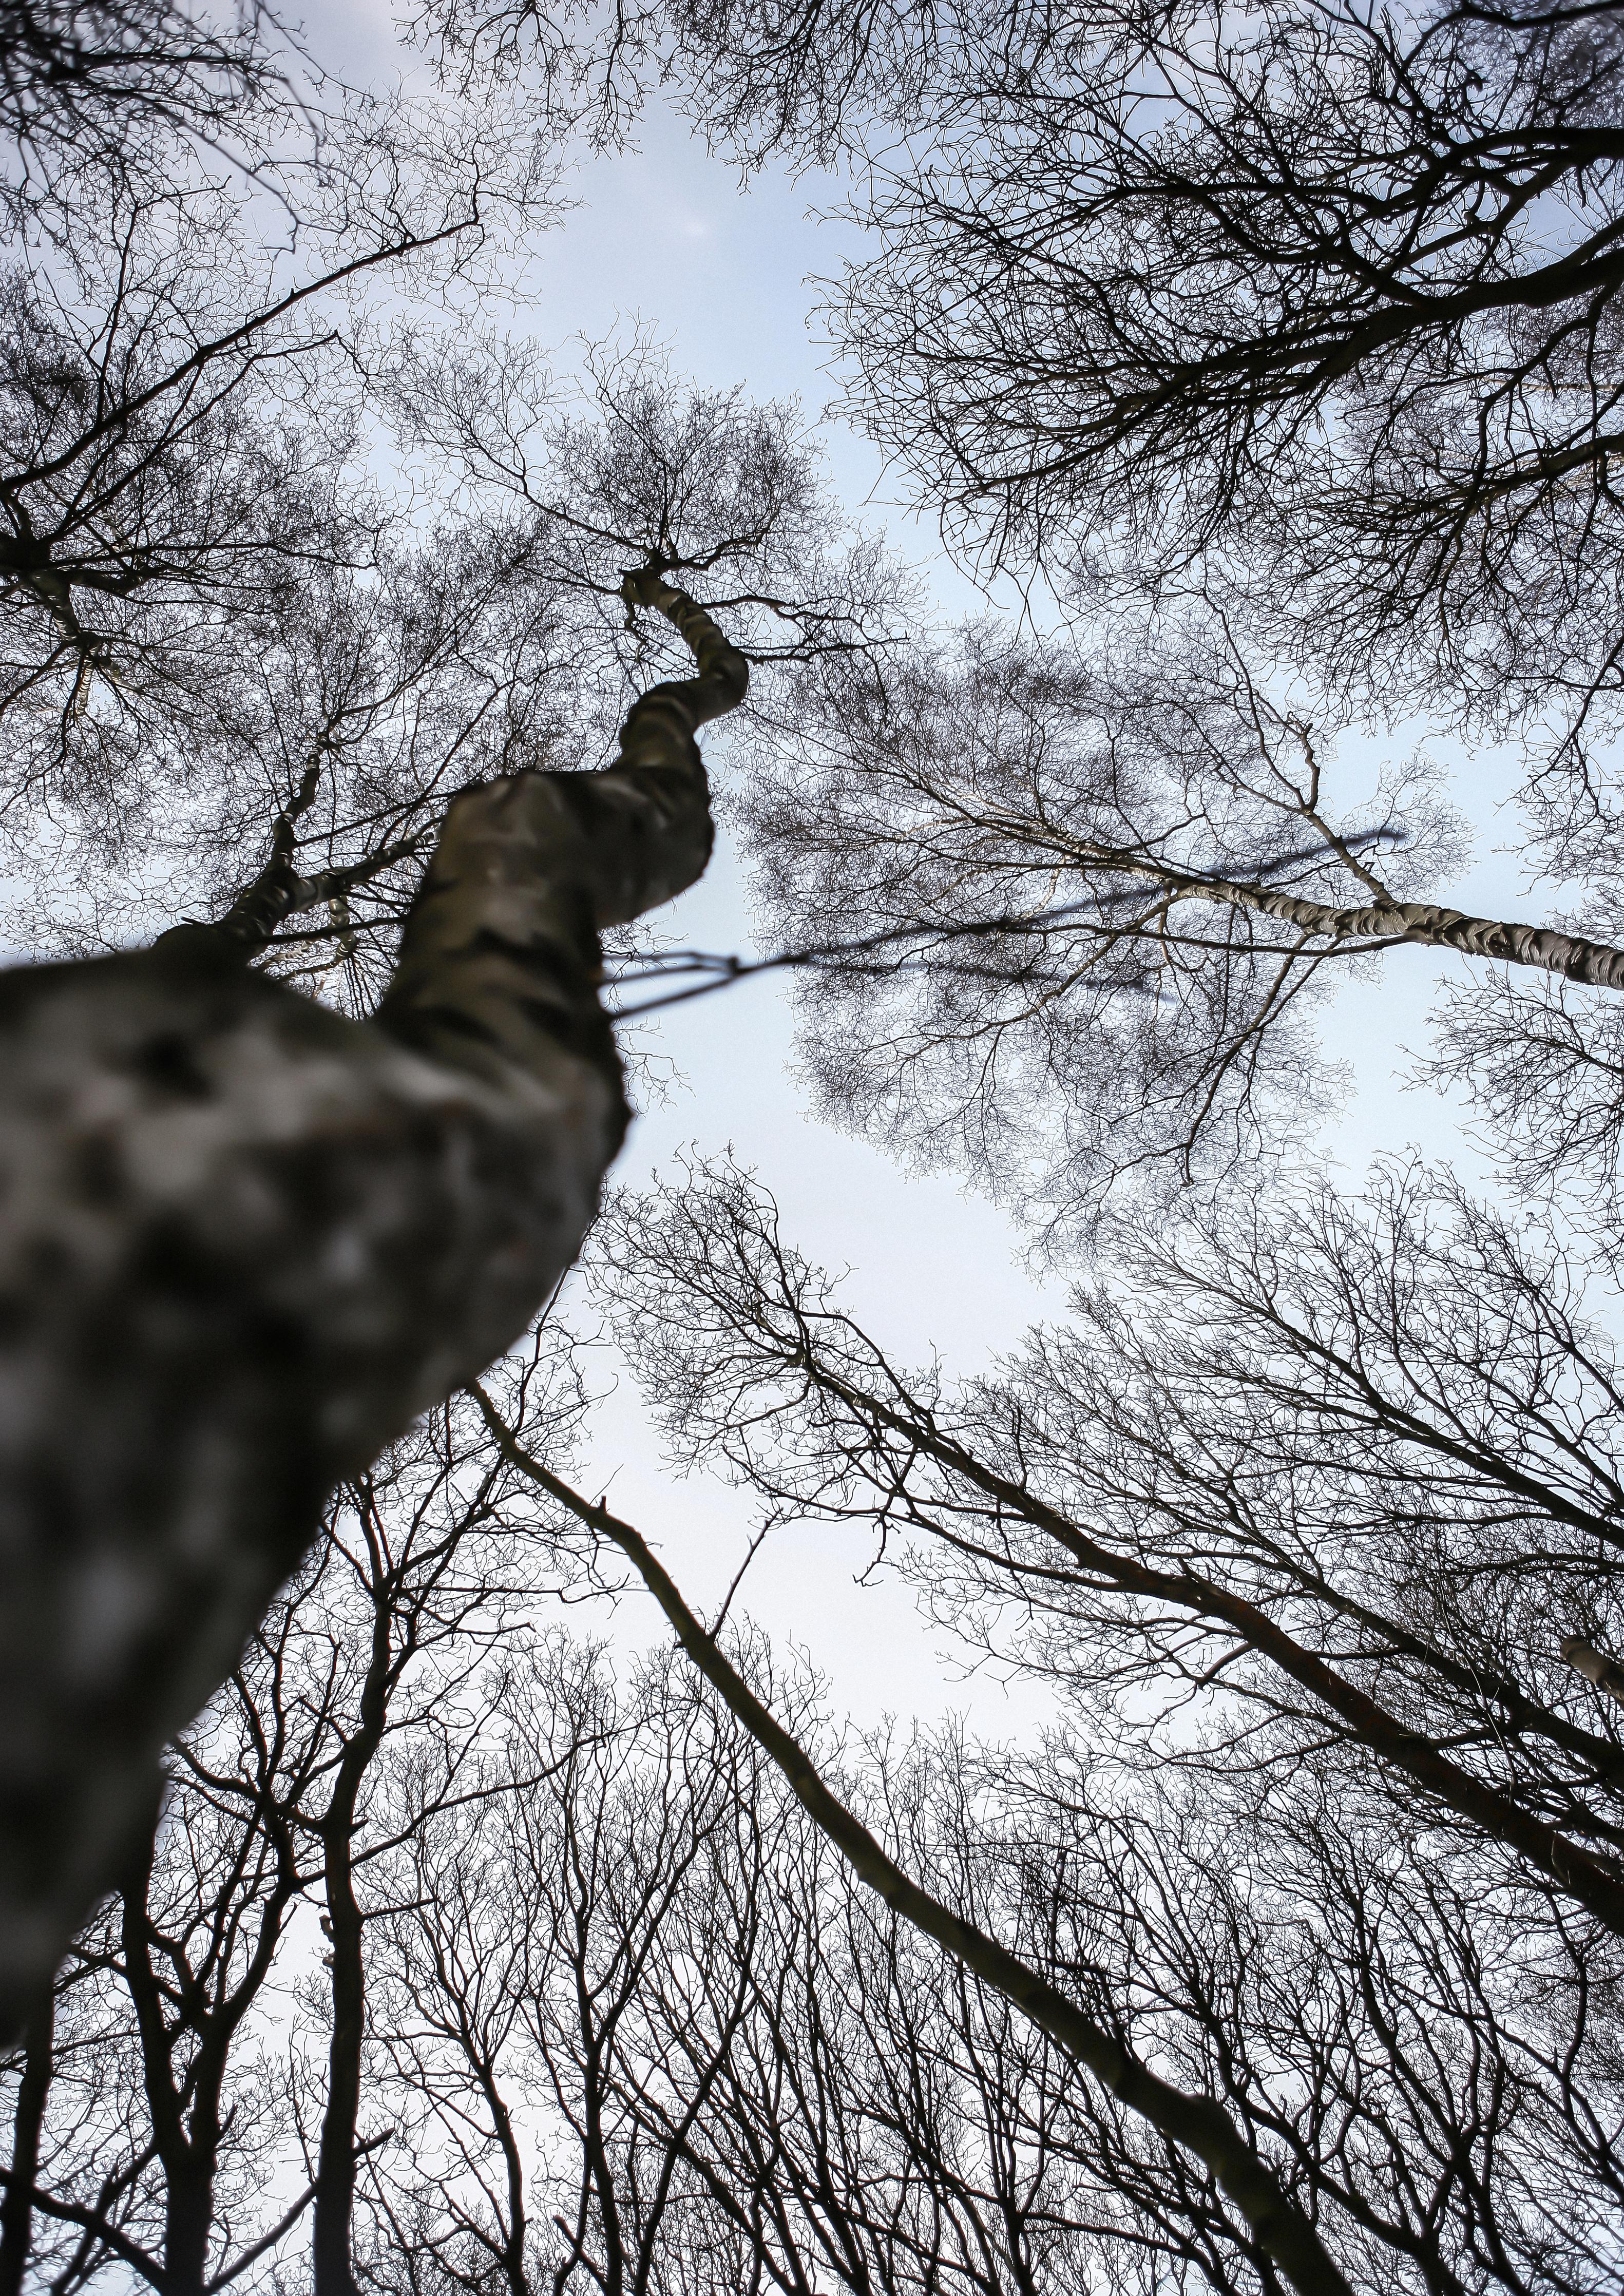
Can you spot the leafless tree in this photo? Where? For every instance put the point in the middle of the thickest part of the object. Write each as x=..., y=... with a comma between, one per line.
x=104, y=96
x=1433, y=2077
x=348, y=679
x=191, y=2112
x=182, y=438
x=159, y=2114
x=1316, y=305
x=267, y=607
x=1349, y=1470
x=190, y=437
x=455, y=1145
x=1291, y=1958
x=618, y=1976
x=30, y=2062
x=650, y=1998
x=1308, y=314
x=440, y=1576
x=1187, y=2121
x=1359, y=1456
x=1331, y=1502
x=568, y=1979
x=1327, y=297
x=1068, y=917
x=1366, y=2002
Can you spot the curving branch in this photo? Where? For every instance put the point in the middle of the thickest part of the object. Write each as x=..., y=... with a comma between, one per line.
x=244, y=1240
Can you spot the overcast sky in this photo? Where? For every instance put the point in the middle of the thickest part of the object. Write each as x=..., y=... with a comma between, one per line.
x=665, y=238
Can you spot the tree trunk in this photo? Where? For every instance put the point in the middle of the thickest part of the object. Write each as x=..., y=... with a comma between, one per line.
x=27, y=2119
x=335, y=2172
x=188, y=2215
x=1595, y=963
x=185, y=2127
x=516, y=2229
x=243, y=1240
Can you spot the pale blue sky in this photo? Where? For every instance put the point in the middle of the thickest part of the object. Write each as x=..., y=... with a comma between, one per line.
x=665, y=238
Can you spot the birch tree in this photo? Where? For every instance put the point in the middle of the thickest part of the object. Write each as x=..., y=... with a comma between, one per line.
x=1351, y=1467
x=1071, y=917
x=204, y=2097
x=295, y=1232
x=222, y=647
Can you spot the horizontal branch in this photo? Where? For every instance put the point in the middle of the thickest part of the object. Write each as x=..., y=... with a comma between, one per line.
x=1596, y=964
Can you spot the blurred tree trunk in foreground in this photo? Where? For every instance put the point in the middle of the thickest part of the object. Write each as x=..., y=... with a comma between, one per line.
x=246, y=1240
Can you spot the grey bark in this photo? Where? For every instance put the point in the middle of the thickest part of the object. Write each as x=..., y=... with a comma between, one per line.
x=1604, y=1672
x=1598, y=964
x=244, y=1240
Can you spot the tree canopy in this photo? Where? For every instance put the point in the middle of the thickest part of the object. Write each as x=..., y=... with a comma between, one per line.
x=356, y=637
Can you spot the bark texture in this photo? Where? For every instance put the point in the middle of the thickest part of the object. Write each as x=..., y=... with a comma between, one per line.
x=243, y=1240
x=1596, y=964
x=1604, y=1672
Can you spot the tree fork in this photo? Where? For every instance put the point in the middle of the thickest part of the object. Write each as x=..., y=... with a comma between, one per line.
x=1193, y=2123
x=244, y=1240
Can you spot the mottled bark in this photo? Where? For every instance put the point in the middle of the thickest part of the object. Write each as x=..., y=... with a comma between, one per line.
x=1596, y=963
x=1194, y=2124
x=243, y=1240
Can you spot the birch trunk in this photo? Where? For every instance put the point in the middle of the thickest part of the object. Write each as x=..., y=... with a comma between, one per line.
x=244, y=1240
x=1598, y=964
